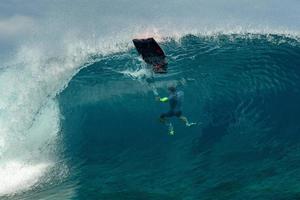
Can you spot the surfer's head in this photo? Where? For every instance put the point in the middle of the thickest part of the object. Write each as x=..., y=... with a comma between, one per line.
x=172, y=88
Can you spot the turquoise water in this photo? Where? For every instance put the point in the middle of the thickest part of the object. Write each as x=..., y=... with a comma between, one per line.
x=108, y=143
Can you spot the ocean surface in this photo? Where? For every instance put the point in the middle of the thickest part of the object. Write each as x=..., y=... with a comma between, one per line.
x=98, y=136
x=79, y=119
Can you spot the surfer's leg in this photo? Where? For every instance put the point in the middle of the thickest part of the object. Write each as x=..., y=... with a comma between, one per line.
x=164, y=119
x=186, y=121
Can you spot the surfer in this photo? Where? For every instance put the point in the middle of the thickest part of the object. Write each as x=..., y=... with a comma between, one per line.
x=175, y=100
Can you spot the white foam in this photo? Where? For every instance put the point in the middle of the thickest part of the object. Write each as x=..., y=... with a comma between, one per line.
x=137, y=74
x=29, y=113
x=29, y=119
x=17, y=176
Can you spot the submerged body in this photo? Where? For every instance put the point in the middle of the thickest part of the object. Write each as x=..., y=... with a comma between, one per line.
x=175, y=100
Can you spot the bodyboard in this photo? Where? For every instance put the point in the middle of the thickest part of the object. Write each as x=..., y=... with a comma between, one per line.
x=152, y=54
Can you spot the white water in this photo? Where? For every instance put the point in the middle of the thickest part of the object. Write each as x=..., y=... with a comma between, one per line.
x=29, y=112
x=56, y=40
x=30, y=117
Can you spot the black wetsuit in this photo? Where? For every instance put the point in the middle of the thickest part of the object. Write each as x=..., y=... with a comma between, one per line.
x=175, y=101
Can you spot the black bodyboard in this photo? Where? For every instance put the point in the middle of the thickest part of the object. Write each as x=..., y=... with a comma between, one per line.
x=151, y=54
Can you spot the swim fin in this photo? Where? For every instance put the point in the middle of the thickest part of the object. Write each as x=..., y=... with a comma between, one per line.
x=171, y=129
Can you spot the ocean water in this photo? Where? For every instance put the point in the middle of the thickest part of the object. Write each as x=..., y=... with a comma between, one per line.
x=101, y=139
x=79, y=120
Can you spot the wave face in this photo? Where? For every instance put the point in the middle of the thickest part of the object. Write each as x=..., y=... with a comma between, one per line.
x=107, y=143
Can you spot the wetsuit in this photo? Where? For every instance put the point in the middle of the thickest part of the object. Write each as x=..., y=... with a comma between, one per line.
x=175, y=100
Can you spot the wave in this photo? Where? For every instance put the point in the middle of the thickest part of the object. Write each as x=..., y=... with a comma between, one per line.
x=56, y=111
